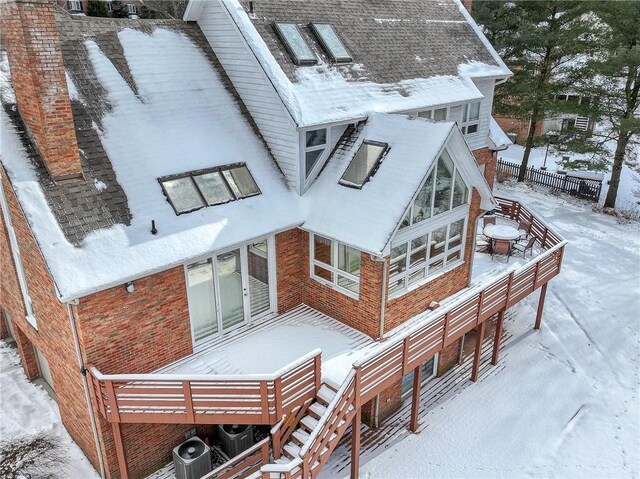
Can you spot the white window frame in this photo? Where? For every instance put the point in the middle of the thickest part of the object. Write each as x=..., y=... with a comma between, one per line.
x=248, y=320
x=431, y=112
x=110, y=5
x=308, y=179
x=17, y=258
x=427, y=228
x=72, y=3
x=335, y=271
x=131, y=9
x=466, y=123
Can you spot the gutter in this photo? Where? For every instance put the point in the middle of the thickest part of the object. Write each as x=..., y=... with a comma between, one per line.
x=85, y=386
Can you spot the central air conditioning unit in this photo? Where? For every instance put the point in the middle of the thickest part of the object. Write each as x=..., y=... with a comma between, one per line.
x=235, y=438
x=192, y=459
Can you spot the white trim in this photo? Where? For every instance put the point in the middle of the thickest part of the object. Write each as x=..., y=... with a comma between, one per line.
x=17, y=258
x=306, y=180
x=465, y=123
x=335, y=271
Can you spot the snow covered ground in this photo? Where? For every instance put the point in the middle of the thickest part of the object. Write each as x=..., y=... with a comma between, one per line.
x=628, y=191
x=567, y=402
x=27, y=409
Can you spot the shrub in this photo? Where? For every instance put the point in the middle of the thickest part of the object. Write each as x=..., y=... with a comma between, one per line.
x=97, y=8
x=32, y=456
x=502, y=176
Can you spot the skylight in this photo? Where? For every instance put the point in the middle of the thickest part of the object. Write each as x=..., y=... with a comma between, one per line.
x=196, y=189
x=294, y=42
x=331, y=42
x=364, y=164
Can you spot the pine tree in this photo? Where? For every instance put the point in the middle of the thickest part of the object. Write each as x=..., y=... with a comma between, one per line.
x=540, y=41
x=98, y=8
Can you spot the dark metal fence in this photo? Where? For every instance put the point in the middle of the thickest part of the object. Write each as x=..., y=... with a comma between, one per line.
x=582, y=187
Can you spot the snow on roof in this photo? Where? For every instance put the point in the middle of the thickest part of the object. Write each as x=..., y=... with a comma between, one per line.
x=326, y=93
x=181, y=118
x=498, y=137
x=366, y=218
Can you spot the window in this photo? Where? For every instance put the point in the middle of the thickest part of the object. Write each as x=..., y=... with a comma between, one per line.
x=335, y=263
x=426, y=254
x=109, y=5
x=131, y=9
x=194, y=190
x=74, y=5
x=294, y=42
x=331, y=42
x=470, y=118
x=443, y=190
x=364, y=164
x=429, y=370
x=316, y=142
x=439, y=114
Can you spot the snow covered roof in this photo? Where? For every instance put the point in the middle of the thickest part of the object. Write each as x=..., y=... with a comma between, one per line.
x=407, y=54
x=149, y=100
x=367, y=218
x=498, y=138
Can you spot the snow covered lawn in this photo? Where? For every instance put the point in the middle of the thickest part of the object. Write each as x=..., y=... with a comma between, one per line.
x=566, y=403
x=27, y=409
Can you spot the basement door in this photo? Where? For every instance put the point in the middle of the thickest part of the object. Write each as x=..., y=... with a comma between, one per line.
x=231, y=289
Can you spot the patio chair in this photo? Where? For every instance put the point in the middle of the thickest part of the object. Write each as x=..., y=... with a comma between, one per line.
x=488, y=220
x=501, y=247
x=522, y=246
x=482, y=243
x=524, y=228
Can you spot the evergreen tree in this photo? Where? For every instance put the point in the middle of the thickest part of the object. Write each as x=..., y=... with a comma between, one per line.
x=540, y=41
x=118, y=9
x=98, y=8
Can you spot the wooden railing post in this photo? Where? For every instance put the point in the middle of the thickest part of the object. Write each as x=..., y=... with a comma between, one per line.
x=497, y=337
x=415, y=398
x=278, y=397
x=405, y=355
x=264, y=402
x=543, y=294
x=447, y=318
x=317, y=366
x=188, y=402
x=355, y=427
x=120, y=452
x=509, y=289
x=114, y=414
x=478, y=351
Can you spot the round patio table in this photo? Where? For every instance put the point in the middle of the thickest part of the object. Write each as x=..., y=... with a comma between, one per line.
x=501, y=232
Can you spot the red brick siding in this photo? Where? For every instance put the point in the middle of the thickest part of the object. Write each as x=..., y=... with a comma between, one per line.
x=53, y=338
x=38, y=77
x=519, y=127
x=402, y=308
x=485, y=156
x=448, y=357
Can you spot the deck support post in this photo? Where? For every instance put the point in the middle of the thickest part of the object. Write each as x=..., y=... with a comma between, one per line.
x=496, y=339
x=478, y=351
x=355, y=443
x=543, y=294
x=122, y=457
x=415, y=399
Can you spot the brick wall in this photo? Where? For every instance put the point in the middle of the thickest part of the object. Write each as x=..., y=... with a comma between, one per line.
x=38, y=77
x=484, y=156
x=53, y=338
x=519, y=127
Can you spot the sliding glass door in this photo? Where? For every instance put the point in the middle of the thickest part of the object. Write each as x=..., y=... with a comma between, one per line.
x=231, y=289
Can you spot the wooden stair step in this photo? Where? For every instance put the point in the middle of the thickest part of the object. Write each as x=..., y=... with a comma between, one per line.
x=317, y=410
x=300, y=437
x=309, y=423
x=325, y=394
x=292, y=450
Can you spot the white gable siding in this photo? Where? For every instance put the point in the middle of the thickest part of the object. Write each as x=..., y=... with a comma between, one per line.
x=480, y=140
x=253, y=86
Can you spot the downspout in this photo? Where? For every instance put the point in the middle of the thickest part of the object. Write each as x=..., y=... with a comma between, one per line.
x=473, y=250
x=85, y=386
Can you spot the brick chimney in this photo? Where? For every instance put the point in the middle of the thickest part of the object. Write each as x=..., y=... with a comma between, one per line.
x=38, y=76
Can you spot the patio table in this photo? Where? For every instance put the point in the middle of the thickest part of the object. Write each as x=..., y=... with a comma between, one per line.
x=501, y=232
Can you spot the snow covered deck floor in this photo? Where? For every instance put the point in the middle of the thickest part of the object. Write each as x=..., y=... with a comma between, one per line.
x=270, y=344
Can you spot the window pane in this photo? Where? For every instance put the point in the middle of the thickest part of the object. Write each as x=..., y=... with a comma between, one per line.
x=437, y=242
x=323, y=273
x=183, y=194
x=444, y=183
x=416, y=276
x=396, y=284
x=435, y=266
x=316, y=138
x=425, y=114
x=258, y=262
x=474, y=111
x=295, y=43
x=440, y=114
x=202, y=309
x=422, y=203
x=455, y=234
x=406, y=221
x=241, y=182
x=213, y=188
x=348, y=259
x=363, y=164
x=346, y=283
x=322, y=249
x=418, y=251
x=453, y=257
x=398, y=259
x=231, y=290
x=471, y=129
x=460, y=191
x=310, y=158
x=331, y=42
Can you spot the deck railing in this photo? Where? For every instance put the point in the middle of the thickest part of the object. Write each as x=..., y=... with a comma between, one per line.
x=244, y=464
x=210, y=399
x=386, y=364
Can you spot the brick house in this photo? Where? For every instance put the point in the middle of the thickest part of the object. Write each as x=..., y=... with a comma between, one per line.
x=82, y=6
x=172, y=188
